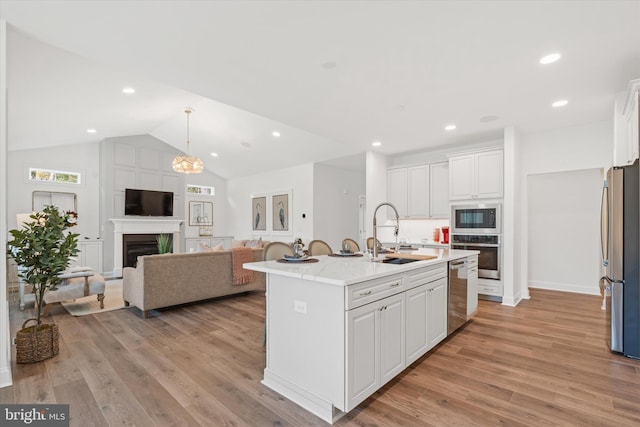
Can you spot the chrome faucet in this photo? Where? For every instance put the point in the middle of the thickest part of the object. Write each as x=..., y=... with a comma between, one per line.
x=375, y=227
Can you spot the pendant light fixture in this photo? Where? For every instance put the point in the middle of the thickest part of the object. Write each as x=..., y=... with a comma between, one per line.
x=185, y=162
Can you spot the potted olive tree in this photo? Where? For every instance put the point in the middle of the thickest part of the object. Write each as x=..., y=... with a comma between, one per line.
x=42, y=248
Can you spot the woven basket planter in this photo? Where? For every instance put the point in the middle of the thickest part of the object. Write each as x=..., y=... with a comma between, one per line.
x=36, y=343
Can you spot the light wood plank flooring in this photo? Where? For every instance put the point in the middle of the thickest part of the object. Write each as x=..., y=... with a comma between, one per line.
x=544, y=362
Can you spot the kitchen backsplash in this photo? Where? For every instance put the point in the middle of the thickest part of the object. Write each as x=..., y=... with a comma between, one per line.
x=413, y=230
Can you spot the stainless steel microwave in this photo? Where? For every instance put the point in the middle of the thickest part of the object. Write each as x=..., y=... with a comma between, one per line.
x=476, y=219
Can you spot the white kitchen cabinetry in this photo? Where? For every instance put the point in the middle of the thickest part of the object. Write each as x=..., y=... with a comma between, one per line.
x=439, y=190
x=626, y=122
x=426, y=316
x=397, y=182
x=632, y=121
x=90, y=254
x=375, y=349
x=419, y=191
x=476, y=175
x=408, y=191
x=472, y=286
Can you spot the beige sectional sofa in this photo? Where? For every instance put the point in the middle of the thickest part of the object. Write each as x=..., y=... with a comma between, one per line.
x=165, y=280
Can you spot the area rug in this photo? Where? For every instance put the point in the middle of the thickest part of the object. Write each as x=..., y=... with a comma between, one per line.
x=90, y=305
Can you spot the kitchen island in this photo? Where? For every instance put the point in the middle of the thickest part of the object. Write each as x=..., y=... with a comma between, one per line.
x=339, y=329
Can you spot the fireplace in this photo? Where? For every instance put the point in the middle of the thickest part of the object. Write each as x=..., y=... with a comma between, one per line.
x=135, y=245
x=141, y=226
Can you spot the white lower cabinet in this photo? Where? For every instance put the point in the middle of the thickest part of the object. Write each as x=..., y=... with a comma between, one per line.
x=472, y=286
x=90, y=254
x=426, y=318
x=375, y=347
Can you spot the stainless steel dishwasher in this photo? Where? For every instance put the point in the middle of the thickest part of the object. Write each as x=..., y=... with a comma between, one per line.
x=457, y=313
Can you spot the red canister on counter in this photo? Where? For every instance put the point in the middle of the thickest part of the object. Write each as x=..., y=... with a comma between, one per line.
x=445, y=234
x=436, y=234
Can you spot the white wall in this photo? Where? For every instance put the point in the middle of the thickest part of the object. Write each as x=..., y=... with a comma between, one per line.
x=376, y=184
x=580, y=147
x=83, y=158
x=335, y=203
x=513, y=287
x=5, y=348
x=298, y=179
x=219, y=200
x=570, y=149
x=564, y=230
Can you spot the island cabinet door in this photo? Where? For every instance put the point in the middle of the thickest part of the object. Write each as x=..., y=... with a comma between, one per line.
x=375, y=347
x=392, y=334
x=417, y=340
x=436, y=312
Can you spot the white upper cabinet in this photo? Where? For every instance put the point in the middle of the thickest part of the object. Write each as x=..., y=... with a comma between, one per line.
x=397, y=181
x=476, y=175
x=419, y=191
x=439, y=190
x=626, y=122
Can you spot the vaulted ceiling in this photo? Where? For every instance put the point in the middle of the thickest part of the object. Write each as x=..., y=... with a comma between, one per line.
x=331, y=77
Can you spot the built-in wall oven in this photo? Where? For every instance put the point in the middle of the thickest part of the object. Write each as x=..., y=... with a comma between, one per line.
x=488, y=245
x=476, y=219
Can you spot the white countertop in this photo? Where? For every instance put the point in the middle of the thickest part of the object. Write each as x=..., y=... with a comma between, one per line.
x=344, y=271
x=430, y=243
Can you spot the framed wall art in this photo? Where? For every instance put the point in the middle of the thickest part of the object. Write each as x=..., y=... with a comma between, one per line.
x=259, y=213
x=200, y=213
x=280, y=212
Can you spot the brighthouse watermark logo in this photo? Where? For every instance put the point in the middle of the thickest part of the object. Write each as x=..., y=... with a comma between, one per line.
x=34, y=415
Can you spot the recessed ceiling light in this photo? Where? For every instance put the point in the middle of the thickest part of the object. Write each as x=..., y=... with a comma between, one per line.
x=450, y=127
x=376, y=143
x=550, y=59
x=487, y=119
x=560, y=103
x=91, y=130
x=128, y=90
x=214, y=154
x=275, y=133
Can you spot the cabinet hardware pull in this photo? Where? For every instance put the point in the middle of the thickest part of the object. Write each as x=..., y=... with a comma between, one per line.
x=365, y=293
x=395, y=284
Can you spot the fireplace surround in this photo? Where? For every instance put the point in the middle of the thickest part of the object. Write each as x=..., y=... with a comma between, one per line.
x=138, y=226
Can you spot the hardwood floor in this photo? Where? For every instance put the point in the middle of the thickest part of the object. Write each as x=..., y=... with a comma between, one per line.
x=544, y=362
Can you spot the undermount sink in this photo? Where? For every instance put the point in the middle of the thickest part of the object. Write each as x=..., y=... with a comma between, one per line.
x=398, y=260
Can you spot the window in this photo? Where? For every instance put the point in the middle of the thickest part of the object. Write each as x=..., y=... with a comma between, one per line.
x=54, y=176
x=201, y=189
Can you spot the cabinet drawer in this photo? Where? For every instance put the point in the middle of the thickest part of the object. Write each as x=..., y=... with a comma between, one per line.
x=366, y=292
x=426, y=275
x=490, y=289
x=472, y=261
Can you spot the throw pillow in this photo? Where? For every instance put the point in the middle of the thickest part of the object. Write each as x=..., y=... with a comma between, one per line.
x=218, y=247
x=237, y=243
x=254, y=243
x=203, y=247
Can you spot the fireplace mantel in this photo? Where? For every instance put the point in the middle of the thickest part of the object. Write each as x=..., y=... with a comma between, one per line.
x=141, y=226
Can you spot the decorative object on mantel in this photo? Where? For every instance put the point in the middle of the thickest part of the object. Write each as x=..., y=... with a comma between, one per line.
x=185, y=162
x=43, y=248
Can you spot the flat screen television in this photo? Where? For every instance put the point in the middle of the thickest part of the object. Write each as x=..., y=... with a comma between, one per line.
x=148, y=202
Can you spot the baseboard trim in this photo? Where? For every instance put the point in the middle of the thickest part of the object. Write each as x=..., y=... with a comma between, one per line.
x=565, y=287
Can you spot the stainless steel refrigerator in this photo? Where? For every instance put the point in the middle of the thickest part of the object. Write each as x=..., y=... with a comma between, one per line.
x=620, y=232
